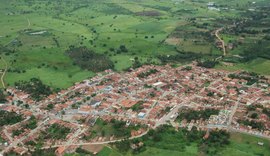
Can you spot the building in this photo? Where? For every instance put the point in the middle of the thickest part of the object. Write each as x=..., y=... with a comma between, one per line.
x=141, y=115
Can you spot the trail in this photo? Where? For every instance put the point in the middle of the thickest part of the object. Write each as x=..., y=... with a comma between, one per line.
x=5, y=62
x=28, y=26
x=219, y=38
x=3, y=75
x=29, y=23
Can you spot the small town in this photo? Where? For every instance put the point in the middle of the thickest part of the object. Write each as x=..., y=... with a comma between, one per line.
x=130, y=103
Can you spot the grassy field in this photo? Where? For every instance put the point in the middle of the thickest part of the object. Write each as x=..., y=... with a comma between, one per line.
x=150, y=151
x=146, y=28
x=246, y=145
x=258, y=65
x=241, y=145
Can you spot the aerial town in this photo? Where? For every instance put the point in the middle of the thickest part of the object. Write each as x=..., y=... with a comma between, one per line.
x=142, y=99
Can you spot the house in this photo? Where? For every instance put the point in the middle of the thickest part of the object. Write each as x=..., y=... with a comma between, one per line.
x=94, y=103
x=108, y=89
x=85, y=110
x=20, y=150
x=60, y=151
x=128, y=103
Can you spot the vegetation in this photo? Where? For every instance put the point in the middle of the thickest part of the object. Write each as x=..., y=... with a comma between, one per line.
x=146, y=74
x=55, y=131
x=180, y=57
x=35, y=36
x=187, y=68
x=115, y=128
x=166, y=138
x=215, y=142
x=253, y=124
x=251, y=78
x=2, y=97
x=81, y=151
x=35, y=88
x=266, y=111
x=9, y=118
x=17, y=132
x=207, y=64
x=89, y=60
x=47, y=152
x=196, y=115
x=138, y=106
x=31, y=124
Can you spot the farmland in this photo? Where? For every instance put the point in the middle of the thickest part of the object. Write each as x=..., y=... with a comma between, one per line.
x=35, y=35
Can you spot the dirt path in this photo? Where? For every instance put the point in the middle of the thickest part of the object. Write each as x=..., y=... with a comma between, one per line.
x=219, y=38
x=96, y=143
x=6, y=66
x=4, y=73
x=28, y=26
x=29, y=23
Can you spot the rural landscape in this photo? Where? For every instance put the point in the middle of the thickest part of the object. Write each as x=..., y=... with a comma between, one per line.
x=135, y=77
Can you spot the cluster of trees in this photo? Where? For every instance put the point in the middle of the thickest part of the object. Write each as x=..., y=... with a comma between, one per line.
x=138, y=106
x=136, y=63
x=2, y=96
x=196, y=36
x=251, y=78
x=197, y=115
x=125, y=146
x=9, y=118
x=43, y=152
x=32, y=123
x=17, y=132
x=115, y=127
x=253, y=124
x=207, y=63
x=120, y=129
x=255, y=50
x=266, y=111
x=187, y=68
x=89, y=60
x=166, y=137
x=81, y=151
x=123, y=49
x=35, y=88
x=216, y=141
x=57, y=132
x=146, y=74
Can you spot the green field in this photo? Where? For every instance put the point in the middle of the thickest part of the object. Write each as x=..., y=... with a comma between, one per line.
x=34, y=35
x=241, y=145
x=259, y=65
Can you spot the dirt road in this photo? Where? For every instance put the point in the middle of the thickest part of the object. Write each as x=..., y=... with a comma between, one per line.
x=219, y=38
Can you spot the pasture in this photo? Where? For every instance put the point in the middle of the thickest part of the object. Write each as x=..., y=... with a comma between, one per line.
x=35, y=35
